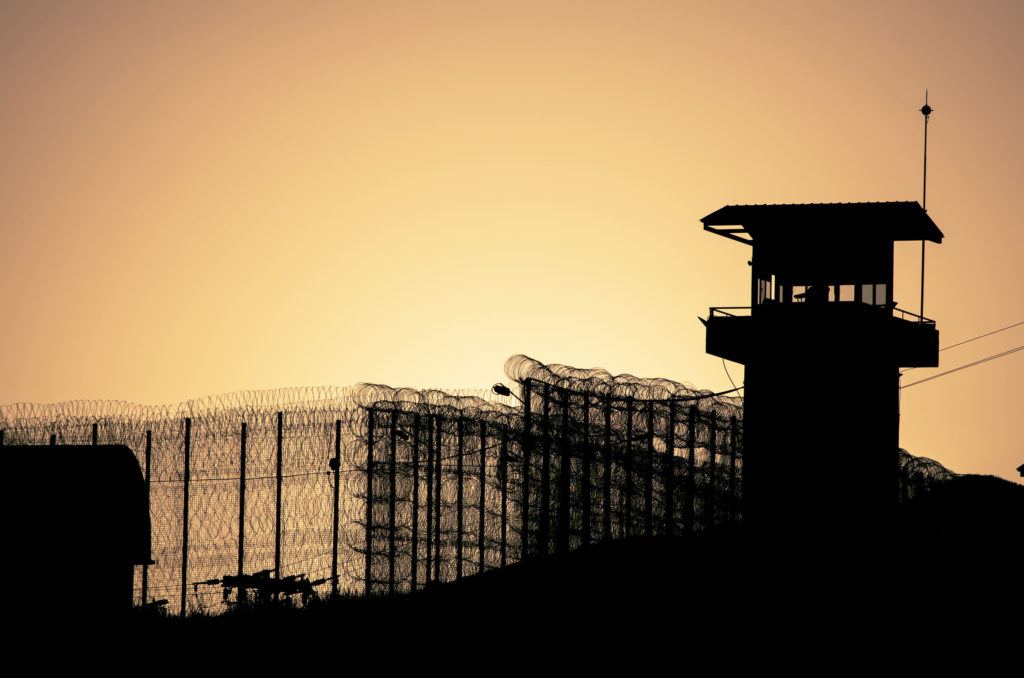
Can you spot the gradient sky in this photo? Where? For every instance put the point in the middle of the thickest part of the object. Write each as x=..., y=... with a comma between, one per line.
x=202, y=197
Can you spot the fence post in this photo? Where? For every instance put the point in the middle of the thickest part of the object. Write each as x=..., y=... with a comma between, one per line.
x=53, y=438
x=585, y=481
x=241, y=511
x=430, y=494
x=564, y=480
x=649, y=474
x=277, y=520
x=334, y=531
x=503, y=475
x=184, y=515
x=545, y=474
x=483, y=485
x=627, y=509
x=95, y=433
x=709, y=508
x=145, y=566
x=392, y=491
x=691, y=488
x=2, y=432
x=734, y=447
x=415, y=496
x=670, y=470
x=607, y=518
x=458, y=499
x=367, y=577
x=437, y=499
x=524, y=539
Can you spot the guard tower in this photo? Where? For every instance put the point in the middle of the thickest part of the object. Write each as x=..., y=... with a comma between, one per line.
x=822, y=342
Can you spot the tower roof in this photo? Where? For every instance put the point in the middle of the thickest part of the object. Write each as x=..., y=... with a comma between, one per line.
x=828, y=221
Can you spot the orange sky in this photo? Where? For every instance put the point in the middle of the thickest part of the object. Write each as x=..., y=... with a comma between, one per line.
x=205, y=197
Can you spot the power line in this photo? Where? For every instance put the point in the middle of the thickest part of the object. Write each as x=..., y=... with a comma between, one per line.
x=982, y=336
x=964, y=367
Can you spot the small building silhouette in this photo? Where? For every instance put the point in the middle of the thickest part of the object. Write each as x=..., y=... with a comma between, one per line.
x=822, y=342
x=83, y=524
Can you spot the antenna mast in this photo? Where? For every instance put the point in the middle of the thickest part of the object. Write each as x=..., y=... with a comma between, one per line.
x=927, y=111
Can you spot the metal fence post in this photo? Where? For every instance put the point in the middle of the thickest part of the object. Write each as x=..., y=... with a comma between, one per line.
x=733, y=450
x=691, y=445
x=334, y=531
x=585, y=480
x=368, y=576
x=241, y=509
x=437, y=500
x=524, y=539
x=503, y=475
x=669, y=473
x=145, y=566
x=483, y=485
x=564, y=479
x=709, y=508
x=627, y=508
x=545, y=474
x=184, y=515
x=430, y=495
x=392, y=492
x=458, y=499
x=607, y=517
x=649, y=474
x=415, y=497
x=277, y=519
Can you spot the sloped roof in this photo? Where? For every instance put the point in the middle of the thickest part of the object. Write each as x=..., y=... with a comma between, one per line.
x=845, y=220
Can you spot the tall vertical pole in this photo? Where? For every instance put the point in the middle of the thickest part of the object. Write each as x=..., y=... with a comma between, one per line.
x=524, y=538
x=585, y=481
x=691, y=485
x=607, y=517
x=627, y=509
x=334, y=528
x=241, y=509
x=927, y=111
x=564, y=479
x=458, y=499
x=184, y=515
x=649, y=474
x=430, y=495
x=415, y=496
x=545, y=474
x=277, y=519
x=709, y=507
x=437, y=500
x=733, y=451
x=669, y=472
x=503, y=475
x=367, y=577
x=483, y=485
x=145, y=566
x=392, y=491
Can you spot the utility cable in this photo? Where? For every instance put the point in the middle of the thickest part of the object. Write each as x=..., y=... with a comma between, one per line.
x=980, y=336
x=964, y=367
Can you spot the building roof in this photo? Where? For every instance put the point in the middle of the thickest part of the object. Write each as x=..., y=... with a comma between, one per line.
x=889, y=220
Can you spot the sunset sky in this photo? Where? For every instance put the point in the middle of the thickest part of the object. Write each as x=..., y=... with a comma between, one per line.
x=203, y=197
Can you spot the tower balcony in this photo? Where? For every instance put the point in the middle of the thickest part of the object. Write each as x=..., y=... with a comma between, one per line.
x=836, y=331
